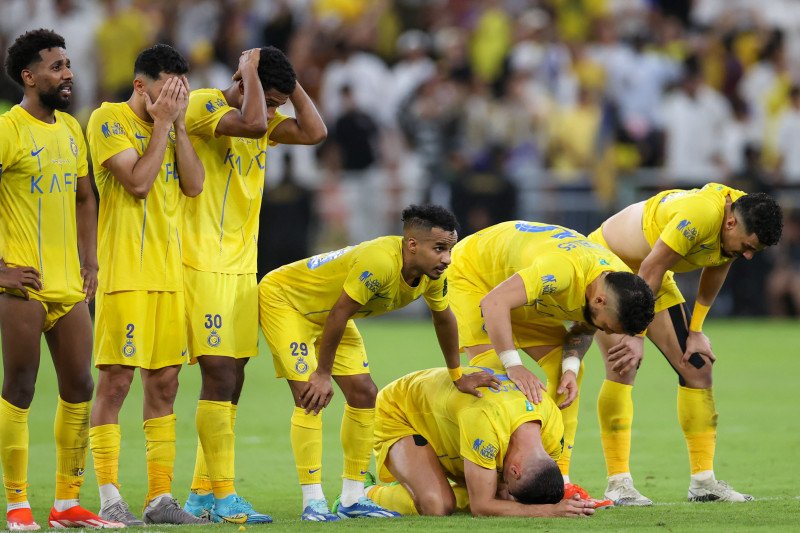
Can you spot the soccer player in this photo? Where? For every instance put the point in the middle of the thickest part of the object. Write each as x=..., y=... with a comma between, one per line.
x=230, y=130
x=446, y=450
x=677, y=231
x=48, y=274
x=514, y=284
x=144, y=165
x=306, y=313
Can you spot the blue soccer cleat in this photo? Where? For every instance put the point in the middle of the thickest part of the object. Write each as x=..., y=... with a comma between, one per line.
x=199, y=505
x=236, y=510
x=317, y=511
x=363, y=508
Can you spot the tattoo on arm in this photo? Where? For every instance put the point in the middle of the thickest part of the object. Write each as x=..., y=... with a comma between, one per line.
x=576, y=345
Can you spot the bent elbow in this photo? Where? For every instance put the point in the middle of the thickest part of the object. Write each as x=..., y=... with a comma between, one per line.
x=139, y=192
x=321, y=135
x=193, y=190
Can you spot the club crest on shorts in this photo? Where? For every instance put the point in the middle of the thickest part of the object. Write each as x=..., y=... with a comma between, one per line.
x=301, y=366
x=214, y=339
x=129, y=349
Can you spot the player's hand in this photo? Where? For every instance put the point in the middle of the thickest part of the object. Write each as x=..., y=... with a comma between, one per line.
x=569, y=388
x=528, y=383
x=20, y=277
x=573, y=507
x=248, y=59
x=168, y=105
x=89, y=275
x=183, y=100
x=469, y=383
x=318, y=393
x=697, y=342
x=627, y=354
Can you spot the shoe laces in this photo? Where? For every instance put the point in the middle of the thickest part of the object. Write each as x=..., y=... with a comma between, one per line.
x=366, y=502
x=319, y=506
x=240, y=505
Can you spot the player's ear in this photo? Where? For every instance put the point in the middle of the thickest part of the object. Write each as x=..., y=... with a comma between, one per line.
x=138, y=86
x=27, y=77
x=412, y=244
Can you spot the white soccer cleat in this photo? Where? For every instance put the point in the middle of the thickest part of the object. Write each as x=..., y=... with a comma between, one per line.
x=621, y=491
x=715, y=490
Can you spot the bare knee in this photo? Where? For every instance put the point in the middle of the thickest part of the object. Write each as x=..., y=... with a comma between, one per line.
x=363, y=396
x=19, y=386
x=700, y=378
x=112, y=389
x=76, y=387
x=435, y=504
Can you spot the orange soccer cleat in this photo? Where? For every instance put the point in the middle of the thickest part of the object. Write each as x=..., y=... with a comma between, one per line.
x=77, y=516
x=21, y=520
x=571, y=489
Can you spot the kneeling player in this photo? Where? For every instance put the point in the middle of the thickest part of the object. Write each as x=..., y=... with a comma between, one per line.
x=446, y=450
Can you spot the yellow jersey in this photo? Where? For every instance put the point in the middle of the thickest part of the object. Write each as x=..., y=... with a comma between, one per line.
x=40, y=165
x=221, y=224
x=463, y=427
x=138, y=240
x=556, y=265
x=689, y=222
x=370, y=273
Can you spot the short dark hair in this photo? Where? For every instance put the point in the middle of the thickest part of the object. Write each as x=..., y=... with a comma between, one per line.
x=542, y=485
x=25, y=51
x=761, y=215
x=428, y=217
x=275, y=71
x=635, y=301
x=160, y=58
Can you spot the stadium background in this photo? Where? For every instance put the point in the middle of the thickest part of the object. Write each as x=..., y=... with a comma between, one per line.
x=552, y=110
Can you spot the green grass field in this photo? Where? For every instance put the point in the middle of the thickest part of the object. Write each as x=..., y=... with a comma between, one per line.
x=759, y=435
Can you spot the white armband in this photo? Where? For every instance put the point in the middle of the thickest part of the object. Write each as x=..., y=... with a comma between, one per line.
x=510, y=358
x=571, y=363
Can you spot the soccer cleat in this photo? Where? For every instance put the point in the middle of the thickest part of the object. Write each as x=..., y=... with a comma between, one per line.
x=21, y=520
x=571, y=489
x=119, y=512
x=715, y=490
x=622, y=492
x=236, y=510
x=317, y=511
x=363, y=508
x=168, y=511
x=77, y=516
x=200, y=505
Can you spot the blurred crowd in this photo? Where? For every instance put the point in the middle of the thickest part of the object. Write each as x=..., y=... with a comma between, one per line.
x=479, y=104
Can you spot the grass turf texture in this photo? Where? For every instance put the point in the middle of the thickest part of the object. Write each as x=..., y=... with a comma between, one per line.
x=759, y=435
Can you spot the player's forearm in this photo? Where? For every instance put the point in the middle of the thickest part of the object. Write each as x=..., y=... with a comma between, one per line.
x=254, y=106
x=331, y=337
x=446, y=327
x=653, y=276
x=190, y=170
x=711, y=280
x=576, y=344
x=309, y=122
x=495, y=507
x=498, y=326
x=148, y=167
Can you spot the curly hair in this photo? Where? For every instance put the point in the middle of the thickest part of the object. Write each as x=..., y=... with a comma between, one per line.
x=635, y=301
x=25, y=51
x=275, y=71
x=761, y=215
x=160, y=58
x=428, y=217
x=541, y=484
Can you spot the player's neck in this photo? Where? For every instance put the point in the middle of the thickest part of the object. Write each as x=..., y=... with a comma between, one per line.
x=137, y=105
x=232, y=96
x=37, y=110
x=410, y=273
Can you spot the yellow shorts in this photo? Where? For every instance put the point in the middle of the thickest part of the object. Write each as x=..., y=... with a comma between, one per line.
x=294, y=340
x=391, y=425
x=527, y=325
x=221, y=314
x=140, y=328
x=667, y=296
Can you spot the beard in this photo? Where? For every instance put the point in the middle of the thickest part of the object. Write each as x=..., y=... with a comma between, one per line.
x=54, y=100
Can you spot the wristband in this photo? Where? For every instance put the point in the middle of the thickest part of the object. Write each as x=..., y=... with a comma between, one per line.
x=455, y=373
x=510, y=358
x=571, y=363
x=698, y=316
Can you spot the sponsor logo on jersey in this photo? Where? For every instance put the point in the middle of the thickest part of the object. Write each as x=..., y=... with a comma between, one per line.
x=112, y=128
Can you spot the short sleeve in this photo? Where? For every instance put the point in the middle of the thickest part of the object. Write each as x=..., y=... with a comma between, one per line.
x=371, y=270
x=276, y=119
x=107, y=135
x=204, y=113
x=436, y=294
x=547, y=276
x=478, y=439
x=688, y=228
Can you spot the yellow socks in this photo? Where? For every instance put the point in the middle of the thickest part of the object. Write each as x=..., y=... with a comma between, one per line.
x=551, y=364
x=698, y=417
x=71, y=431
x=159, y=434
x=357, y=440
x=306, y=437
x=615, y=412
x=14, y=451
x=105, y=444
x=201, y=481
x=393, y=497
x=216, y=445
